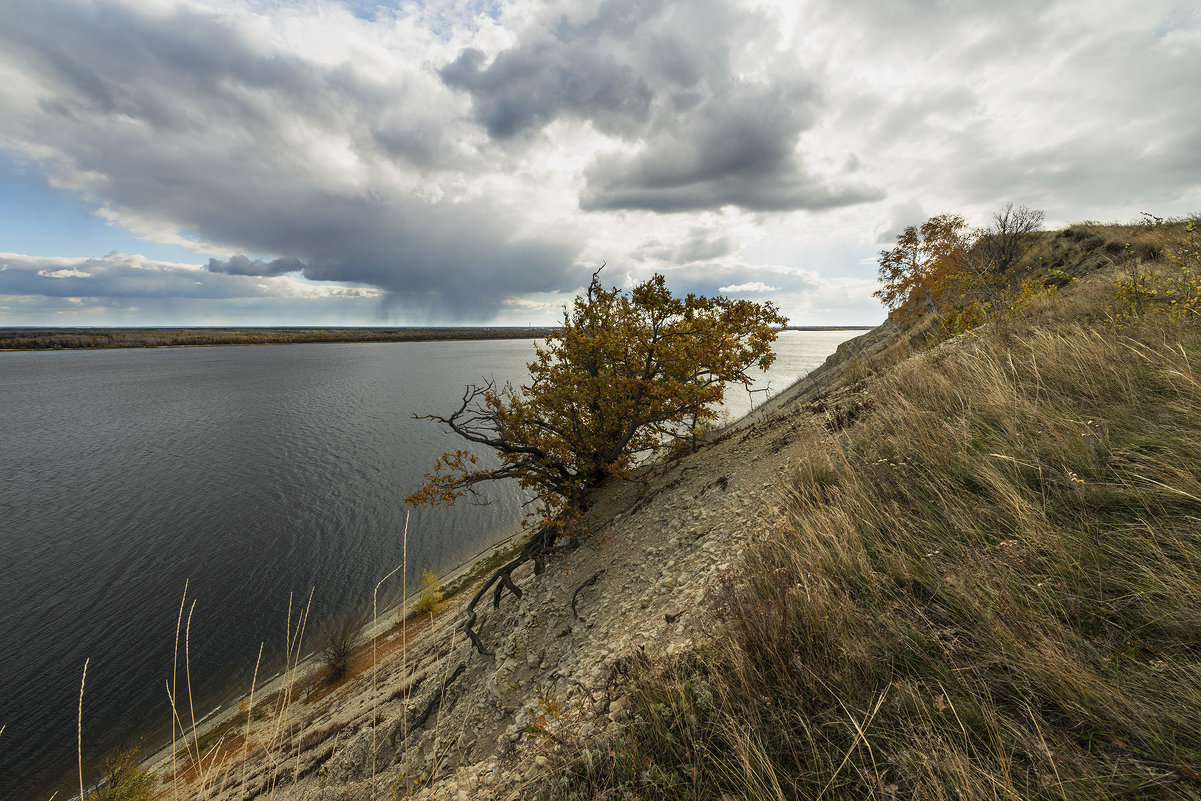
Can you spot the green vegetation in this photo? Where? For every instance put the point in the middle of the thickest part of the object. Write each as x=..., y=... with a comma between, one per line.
x=990, y=582
x=89, y=338
x=1167, y=279
x=122, y=779
x=431, y=594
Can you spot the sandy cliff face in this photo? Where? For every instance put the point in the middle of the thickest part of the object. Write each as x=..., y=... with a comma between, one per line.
x=439, y=720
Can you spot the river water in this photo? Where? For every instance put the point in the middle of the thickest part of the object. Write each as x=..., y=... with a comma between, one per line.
x=253, y=473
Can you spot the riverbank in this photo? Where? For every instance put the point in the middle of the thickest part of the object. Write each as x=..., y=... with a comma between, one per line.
x=398, y=619
x=386, y=724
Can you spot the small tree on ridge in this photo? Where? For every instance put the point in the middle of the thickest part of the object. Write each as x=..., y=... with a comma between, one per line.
x=627, y=373
x=914, y=271
x=1010, y=236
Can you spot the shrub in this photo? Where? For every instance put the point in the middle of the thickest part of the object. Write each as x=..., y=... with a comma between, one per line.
x=431, y=594
x=336, y=642
x=122, y=779
x=1175, y=288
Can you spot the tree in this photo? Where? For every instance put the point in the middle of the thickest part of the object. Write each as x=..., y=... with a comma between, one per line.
x=960, y=276
x=1009, y=237
x=913, y=273
x=336, y=643
x=625, y=375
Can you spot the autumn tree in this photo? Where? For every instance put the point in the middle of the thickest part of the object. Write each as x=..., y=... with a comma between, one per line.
x=627, y=374
x=961, y=276
x=913, y=272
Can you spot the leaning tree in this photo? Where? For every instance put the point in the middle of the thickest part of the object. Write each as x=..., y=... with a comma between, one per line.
x=628, y=373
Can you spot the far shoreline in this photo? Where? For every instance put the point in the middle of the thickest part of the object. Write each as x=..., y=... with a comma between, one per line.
x=15, y=339
x=100, y=338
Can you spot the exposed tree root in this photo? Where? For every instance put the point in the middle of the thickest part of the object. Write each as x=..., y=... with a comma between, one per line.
x=436, y=698
x=588, y=582
x=537, y=550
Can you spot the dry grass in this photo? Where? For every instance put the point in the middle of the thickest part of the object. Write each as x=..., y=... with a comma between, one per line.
x=258, y=752
x=990, y=588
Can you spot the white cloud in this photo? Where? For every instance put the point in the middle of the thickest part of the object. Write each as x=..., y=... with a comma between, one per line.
x=751, y=286
x=64, y=272
x=118, y=282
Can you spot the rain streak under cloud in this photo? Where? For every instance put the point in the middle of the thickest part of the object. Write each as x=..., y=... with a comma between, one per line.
x=472, y=162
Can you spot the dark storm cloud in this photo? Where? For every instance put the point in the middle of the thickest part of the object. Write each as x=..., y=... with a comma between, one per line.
x=181, y=120
x=242, y=265
x=465, y=259
x=532, y=86
x=738, y=149
x=668, y=80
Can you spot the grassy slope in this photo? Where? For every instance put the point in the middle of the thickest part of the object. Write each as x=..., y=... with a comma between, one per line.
x=990, y=586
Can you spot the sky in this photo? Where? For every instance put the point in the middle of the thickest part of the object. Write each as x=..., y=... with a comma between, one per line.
x=286, y=162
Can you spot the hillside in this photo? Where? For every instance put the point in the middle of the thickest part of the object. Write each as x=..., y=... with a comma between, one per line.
x=941, y=566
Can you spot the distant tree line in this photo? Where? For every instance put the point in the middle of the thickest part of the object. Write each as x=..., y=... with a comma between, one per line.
x=85, y=338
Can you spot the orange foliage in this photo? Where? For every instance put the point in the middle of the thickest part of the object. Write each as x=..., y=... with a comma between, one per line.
x=625, y=374
x=914, y=273
x=960, y=275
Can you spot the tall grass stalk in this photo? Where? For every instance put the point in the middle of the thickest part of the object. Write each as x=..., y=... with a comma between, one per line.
x=404, y=636
x=172, y=687
x=187, y=666
x=249, y=716
x=79, y=727
x=375, y=642
x=277, y=743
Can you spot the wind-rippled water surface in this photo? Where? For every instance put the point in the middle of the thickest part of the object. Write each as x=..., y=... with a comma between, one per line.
x=250, y=472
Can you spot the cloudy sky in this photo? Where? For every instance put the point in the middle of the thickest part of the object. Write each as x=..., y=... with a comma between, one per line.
x=269, y=162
